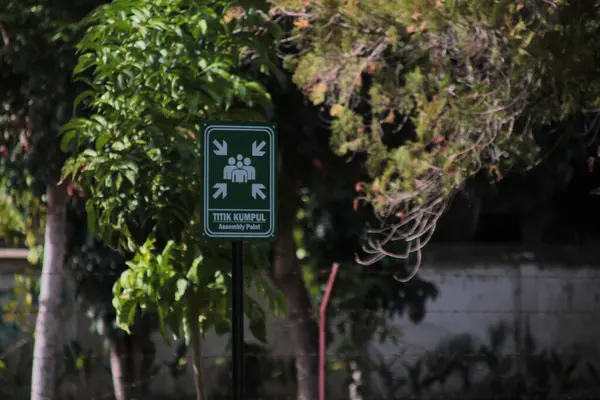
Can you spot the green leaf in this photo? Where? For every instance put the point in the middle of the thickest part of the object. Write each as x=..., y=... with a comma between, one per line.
x=102, y=140
x=91, y=217
x=130, y=172
x=85, y=61
x=126, y=314
x=192, y=274
x=203, y=26
x=182, y=285
x=256, y=316
x=81, y=97
x=163, y=316
x=193, y=101
x=118, y=146
x=66, y=139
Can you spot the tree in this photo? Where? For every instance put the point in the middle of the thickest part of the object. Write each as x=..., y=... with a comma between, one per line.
x=329, y=229
x=431, y=93
x=36, y=59
x=95, y=268
x=158, y=69
x=297, y=133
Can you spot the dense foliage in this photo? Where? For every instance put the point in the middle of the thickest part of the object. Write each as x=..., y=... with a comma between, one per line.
x=434, y=92
x=152, y=85
x=37, y=59
x=159, y=69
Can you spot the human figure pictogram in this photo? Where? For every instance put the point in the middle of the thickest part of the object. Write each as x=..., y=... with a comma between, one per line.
x=229, y=169
x=239, y=175
x=250, y=169
x=239, y=170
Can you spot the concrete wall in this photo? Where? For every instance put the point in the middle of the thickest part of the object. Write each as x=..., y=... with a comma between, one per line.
x=555, y=291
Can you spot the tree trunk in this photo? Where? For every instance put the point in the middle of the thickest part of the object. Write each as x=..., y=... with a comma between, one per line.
x=120, y=367
x=131, y=358
x=48, y=344
x=304, y=329
x=196, y=347
x=147, y=352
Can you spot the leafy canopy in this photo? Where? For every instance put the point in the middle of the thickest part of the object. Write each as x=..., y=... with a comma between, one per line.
x=36, y=61
x=156, y=70
x=160, y=68
x=434, y=92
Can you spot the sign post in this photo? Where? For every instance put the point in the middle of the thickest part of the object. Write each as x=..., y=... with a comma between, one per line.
x=237, y=318
x=239, y=202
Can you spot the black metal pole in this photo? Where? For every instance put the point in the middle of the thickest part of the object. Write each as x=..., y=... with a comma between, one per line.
x=237, y=318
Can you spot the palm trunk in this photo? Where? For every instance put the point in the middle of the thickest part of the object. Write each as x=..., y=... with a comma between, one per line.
x=304, y=329
x=48, y=344
x=196, y=342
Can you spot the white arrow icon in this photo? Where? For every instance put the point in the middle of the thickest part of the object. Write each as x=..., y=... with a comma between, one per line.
x=257, y=149
x=257, y=189
x=221, y=148
x=221, y=190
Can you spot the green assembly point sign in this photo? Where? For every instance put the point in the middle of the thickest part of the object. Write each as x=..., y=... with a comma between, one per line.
x=239, y=180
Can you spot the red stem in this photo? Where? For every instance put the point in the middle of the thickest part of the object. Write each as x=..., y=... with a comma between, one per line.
x=322, y=310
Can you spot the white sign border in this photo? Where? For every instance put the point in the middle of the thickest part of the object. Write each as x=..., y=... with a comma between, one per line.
x=206, y=143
